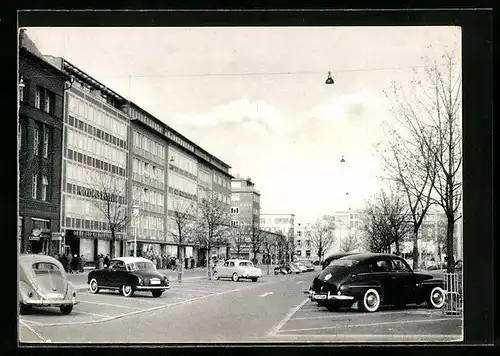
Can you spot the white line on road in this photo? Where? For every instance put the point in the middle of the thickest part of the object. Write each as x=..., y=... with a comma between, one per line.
x=287, y=317
x=299, y=282
x=101, y=315
x=30, y=322
x=266, y=294
x=109, y=304
x=33, y=331
x=346, y=314
x=371, y=324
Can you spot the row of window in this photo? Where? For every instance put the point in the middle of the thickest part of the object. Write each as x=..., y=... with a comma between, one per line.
x=95, y=163
x=221, y=181
x=93, y=193
x=181, y=183
x=270, y=221
x=111, y=139
x=183, y=162
x=82, y=208
x=149, y=145
x=147, y=169
x=36, y=140
x=96, y=148
x=145, y=195
x=34, y=187
x=299, y=253
x=97, y=117
x=180, y=204
x=308, y=243
x=145, y=119
x=235, y=210
x=180, y=193
x=205, y=178
x=71, y=222
x=44, y=98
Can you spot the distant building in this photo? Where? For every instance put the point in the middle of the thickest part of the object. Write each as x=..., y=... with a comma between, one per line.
x=283, y=224
x=245, y=210
x=40, y=125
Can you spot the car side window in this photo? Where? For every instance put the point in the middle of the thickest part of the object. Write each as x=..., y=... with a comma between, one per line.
x=231, y=264
x=399, y=266
x=117, y=265
x=382, y=266
x=226, y=264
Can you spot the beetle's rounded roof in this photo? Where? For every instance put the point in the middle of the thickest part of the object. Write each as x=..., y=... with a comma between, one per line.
x=131, y=259
x=28, y=260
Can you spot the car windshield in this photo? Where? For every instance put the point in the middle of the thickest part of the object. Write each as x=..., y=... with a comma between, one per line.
x=41, y=268
x=140, y=266
x=246, y=264
x=338, y=267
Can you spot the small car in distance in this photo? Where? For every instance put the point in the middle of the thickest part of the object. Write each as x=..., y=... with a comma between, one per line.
x=301, y=266
x=128, y=275
x=281, y=269
x=293, y=268
x=371, y=280
x=43, y=283
x=309, y=266
x=238, y=269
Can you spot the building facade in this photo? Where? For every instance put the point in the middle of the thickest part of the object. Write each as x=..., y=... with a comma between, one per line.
x=245, y=211
x=283, y=224
x=40, y=125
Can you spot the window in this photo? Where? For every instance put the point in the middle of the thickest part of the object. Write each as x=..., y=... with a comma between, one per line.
x=23, y=94
x=400, y=266
x=45, y=143
x=299, y=243
x=38, y=98
x=308, y=253
x=235, y=210
x=36, y=134
x=382, y=266
x=48, y=101
x=33, y=186
x=299, y=233
x=298, y=253
x=45, y=184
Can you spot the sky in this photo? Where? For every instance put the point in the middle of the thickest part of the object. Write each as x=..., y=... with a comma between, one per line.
x=256, y=97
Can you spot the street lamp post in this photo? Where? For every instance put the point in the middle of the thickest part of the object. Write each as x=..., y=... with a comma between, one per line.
x=135, y=211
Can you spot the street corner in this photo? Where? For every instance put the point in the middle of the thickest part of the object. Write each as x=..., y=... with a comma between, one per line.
x=414, y=323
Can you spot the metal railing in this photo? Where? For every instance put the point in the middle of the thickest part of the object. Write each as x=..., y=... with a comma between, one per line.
x=453, y=294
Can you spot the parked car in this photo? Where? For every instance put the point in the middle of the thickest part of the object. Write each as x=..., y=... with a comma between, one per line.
x=372, y=280
x=281, y=269
x=334, y=257
x=43, y=283
x=128, y=275
x=301, y=266
x=236, y=269
x=293, y=267
x=309, y=266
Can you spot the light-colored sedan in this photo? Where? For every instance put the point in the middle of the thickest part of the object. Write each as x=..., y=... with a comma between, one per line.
x=236, y=269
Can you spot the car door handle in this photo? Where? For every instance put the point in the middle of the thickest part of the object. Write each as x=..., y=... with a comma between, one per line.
x=393, y=277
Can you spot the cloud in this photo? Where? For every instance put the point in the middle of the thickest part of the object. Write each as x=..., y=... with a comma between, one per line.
x=257, y=115
x=342, y=108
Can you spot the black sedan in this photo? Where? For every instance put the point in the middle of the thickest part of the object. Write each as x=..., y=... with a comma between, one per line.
x=127, y=275
x=372, y=280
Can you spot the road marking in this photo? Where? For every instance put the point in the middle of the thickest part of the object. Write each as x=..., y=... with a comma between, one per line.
x=344, y=314
x=266, y=294
x=30, y=322
x=113, y=305
x=101, y=315
x=287, y=317
x=371, y=337
x=371, y=324
x=33, y=331
x=299, y=282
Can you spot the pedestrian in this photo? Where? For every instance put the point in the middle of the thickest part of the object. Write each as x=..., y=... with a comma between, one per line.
x=69, y=258
x=101, y=261
x=186, y=265
x=192, y=262
x=106, y=261
x=82, y=263
x=154, y=261
x=74, y=263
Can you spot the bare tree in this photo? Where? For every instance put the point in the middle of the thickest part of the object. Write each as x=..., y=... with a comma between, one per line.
x=322, y=237
x=348, y=244
x=257, y=237
x=184, y=219
x=239, y=238
x=268, y=243
x=110, y=198
x=431, y=115
x=387, y=222
x=213, y=225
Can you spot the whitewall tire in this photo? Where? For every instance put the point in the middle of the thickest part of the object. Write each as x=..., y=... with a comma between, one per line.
x=235, y=277
x=93, y=286
x=436, y=298
x=371, y=301
x=127, y=291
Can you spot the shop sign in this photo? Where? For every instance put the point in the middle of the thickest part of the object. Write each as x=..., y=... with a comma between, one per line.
x=57, y=236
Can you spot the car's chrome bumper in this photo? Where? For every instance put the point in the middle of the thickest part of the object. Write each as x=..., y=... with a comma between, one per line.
x=152, y=287
x=49, y=303
x=327, y=296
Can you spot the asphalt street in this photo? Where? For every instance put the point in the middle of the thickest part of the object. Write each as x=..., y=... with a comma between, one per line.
x=273, y=309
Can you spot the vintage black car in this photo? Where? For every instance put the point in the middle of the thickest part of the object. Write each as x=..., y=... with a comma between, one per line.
x=127, y=275
x=371, y=280
x=43, y=283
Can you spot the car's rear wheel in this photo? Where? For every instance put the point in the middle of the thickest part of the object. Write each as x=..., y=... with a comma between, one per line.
x=276, y=273
x=127, y=291
x=66, y=309
x=436, y=298
x=254, y=279
x=157, y=293
x=371, y=301
x=93, y=286
x=216, y=276
x=25, y=309
x=235, y=277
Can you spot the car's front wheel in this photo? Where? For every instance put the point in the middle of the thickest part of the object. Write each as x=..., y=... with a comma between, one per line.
x=235, y=277
x=436, y=298
x=93, y=286
x=216, y=276
x=254, y=279
x=157, y=293
x=66, y=309
x=127, y=291
x=371, y=301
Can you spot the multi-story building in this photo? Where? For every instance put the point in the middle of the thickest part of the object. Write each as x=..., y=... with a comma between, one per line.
x=41, y=90
x=95, y=172
x=348, y=225
x=283, y=224
x=303, y=248
x=245, y=209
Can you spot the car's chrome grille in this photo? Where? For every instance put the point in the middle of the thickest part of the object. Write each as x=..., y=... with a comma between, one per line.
x=154, y=281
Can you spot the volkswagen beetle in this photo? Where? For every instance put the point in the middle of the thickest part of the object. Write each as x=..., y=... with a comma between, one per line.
x=43, y=283
x=371, y=280
x=237, y=269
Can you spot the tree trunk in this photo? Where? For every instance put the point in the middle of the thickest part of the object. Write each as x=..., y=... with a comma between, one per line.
x=112, y=247
x=397, y=246
x=415, y=250
x=450, y=257
x=180, y=267
x=209, y=271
